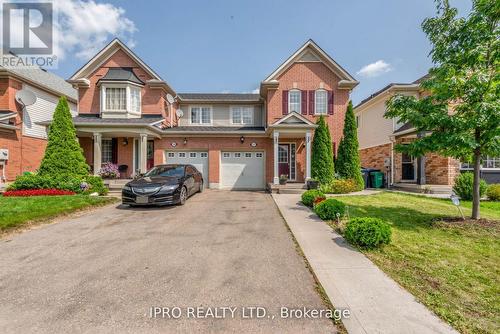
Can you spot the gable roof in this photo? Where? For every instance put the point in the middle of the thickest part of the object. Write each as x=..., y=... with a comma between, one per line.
x=105, y=54
x=311, y=51
x=41, y=78
x=293, y=119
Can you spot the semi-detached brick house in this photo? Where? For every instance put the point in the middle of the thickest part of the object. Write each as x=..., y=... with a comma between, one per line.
x=378, y=136
x=238, y=141
x=22, y=138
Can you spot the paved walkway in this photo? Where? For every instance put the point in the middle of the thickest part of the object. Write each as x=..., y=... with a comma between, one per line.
x=377, y=303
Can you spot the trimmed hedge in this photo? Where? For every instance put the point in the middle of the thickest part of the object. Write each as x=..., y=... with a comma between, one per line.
x=322, y=165
x=368, y=232
x=69, y=183
x=328, y=209
x=464, y=186
x=310, y=196
x=340, y=186
x=493, y=192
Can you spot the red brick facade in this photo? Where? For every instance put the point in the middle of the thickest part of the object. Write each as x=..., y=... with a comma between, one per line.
x=374, y=157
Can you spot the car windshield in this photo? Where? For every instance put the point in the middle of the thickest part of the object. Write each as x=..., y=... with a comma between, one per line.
x=168, y=171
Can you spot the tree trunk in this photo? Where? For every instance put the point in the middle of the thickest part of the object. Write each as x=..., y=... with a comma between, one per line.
x=476, y=196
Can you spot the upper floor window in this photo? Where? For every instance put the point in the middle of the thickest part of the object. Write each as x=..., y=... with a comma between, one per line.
x=242, y=115
x=201, y=115
x=116, y=99
x=294, y=101
x=320, y=102
x=135, y=99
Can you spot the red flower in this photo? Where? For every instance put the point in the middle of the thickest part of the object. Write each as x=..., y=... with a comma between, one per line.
x=37, y=192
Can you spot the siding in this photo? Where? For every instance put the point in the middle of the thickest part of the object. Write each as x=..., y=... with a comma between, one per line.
x=41, y=110
x=221, y=114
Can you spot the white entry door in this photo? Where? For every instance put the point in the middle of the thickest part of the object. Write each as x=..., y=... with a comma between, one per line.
x=242, y=170
x=199, y=159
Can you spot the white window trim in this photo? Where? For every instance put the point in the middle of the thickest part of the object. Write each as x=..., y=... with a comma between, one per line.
x=201, y=106
x=316, y=102
x=241, y=116
x=128, y=103
x=300, y=100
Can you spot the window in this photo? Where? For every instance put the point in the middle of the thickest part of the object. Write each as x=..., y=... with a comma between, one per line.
x=192, y=154
x=357, y=121
x=487, y=162
x=204, y=154
x=116, y=99
x=242, y=115
x=135, y=100
x=106, y=150
x=248, y=155
x=171, y=154
x=237, y=155
x=226, y=154
x=182, y=155
x=258, y=155
x=292, y=161
x=282, y=154
x=397, y=124
x=201, y=115
x=294, y=101
x=320, y=102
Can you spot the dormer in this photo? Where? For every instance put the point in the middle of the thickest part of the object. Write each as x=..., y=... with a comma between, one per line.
x=121, y=92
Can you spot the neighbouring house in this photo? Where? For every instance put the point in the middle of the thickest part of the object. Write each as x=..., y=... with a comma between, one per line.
x=22, y=138
x=238, y=141
x=378, y=136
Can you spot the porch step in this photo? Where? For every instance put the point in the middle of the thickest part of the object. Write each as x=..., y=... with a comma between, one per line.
x=115, y=193
x=289, y=188
x=427, y=188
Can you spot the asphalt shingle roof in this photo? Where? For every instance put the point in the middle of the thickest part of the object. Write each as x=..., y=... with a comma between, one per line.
x=214, y=129
x=121, y=74
x=97, y=120
x=219, y=97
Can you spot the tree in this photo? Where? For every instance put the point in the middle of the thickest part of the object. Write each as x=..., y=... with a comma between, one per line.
x=460, y=115
x=322, y=168
x=348, y=164
x=63, y=155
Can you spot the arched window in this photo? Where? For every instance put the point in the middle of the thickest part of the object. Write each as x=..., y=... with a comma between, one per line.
x=320, y=102
x=294, y=101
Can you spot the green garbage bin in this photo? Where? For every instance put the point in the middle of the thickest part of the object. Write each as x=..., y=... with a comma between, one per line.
x=377, y=179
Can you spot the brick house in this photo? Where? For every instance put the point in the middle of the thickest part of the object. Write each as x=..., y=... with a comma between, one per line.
x=238, y=141
x=378, y=136
x=22, y=138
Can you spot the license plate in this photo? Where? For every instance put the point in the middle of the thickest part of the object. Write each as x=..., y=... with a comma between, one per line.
x=142, y=199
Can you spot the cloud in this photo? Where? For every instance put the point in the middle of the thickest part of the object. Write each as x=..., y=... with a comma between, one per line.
x=84, y=27
x=375, y=69
x=256, y=91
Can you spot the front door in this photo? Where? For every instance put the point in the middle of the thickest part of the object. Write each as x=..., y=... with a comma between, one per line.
x=284, y=160
x=408, y=168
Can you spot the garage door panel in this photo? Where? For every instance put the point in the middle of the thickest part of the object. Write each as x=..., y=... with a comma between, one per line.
x=198, y=159
x=242, y=170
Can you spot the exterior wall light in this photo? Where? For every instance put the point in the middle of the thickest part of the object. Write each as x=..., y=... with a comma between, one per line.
x=185, y=141
x=242, y=139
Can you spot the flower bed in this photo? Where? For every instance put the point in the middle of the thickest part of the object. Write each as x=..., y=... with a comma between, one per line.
x=37, y=192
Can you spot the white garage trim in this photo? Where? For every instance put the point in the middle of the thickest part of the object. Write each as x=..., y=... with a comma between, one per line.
x=234, y=165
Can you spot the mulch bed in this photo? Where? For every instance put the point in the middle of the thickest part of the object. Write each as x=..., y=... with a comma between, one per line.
x=468, y=222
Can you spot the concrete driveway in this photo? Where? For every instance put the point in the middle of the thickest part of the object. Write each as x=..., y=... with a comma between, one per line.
x=104, y=270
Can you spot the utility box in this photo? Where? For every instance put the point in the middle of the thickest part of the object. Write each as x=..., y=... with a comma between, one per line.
x=4, y=154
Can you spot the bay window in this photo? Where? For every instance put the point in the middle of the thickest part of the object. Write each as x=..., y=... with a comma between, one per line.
x=120, y=100
x=135, y=99
x=116, y=99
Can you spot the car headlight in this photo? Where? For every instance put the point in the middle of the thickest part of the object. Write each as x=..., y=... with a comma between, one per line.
x=170, y=187
x=128, y=188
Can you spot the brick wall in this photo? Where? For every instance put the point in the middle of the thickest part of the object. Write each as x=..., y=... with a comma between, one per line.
x=373, y=157
x=309, y=76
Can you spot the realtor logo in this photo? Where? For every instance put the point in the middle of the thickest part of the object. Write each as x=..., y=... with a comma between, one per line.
x=27, y=28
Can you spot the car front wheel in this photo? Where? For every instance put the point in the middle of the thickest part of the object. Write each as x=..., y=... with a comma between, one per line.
x=183, y=196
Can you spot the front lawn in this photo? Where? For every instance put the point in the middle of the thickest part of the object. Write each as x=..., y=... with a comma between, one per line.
x=17, y=211
x=452, y=268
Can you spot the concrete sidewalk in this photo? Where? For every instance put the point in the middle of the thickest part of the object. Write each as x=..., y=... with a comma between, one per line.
x=377, y=303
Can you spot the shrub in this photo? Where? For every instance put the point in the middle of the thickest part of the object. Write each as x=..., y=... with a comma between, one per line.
x=109, y=171
x=348, y=163
x=310, y=196
x=63, y=155
x=328, y=209
x=493, y=192
x=37, y=192
x=95, y=184
x=342, y=186
x=367, y=232
x=322, y=167
x=463, y=186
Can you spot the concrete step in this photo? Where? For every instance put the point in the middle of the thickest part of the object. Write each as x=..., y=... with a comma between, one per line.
x=291, y=190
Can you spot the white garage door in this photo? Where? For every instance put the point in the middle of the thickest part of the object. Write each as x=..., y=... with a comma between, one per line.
x=242, y=170
x=199, y=159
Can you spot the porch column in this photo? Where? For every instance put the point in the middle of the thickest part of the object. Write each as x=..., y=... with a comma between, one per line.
x=143, y=153
x=421, y=165
x=97, y=151
x=276, y=136
x=308, y=155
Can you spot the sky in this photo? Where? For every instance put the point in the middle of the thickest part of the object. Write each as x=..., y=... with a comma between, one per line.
x=231, y=46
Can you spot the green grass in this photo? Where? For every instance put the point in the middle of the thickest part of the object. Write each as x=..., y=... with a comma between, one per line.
x=453, y=269
x=18, y=211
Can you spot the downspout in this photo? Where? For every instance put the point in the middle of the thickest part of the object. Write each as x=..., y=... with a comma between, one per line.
x=392, y=162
